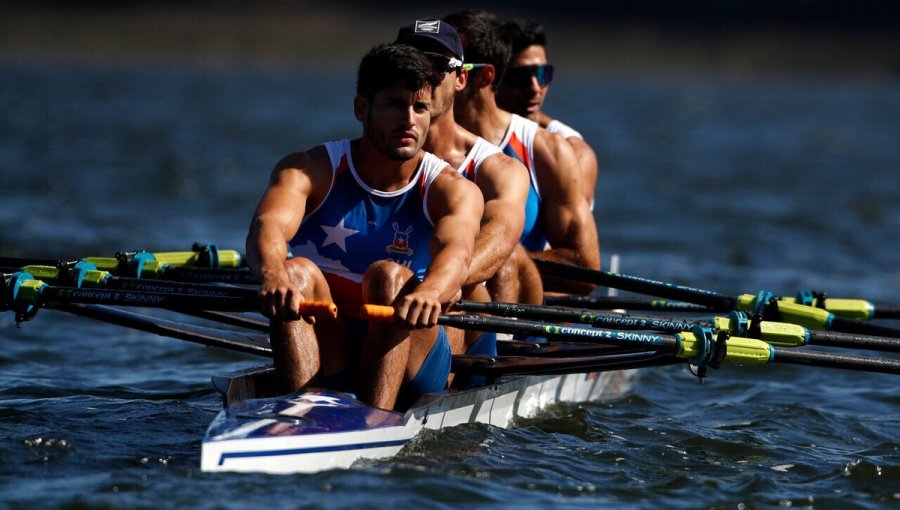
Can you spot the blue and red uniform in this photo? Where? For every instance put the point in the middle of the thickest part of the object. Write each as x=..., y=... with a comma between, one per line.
x=356, y=225
x=519, y=143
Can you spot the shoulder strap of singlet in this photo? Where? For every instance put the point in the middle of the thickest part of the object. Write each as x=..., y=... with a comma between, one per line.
x=563, y=130
x=521, y=132
x=339, y=154
x=480, y=151
x=431, y=166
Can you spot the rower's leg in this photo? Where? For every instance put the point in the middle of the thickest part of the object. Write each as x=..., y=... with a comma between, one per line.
x=392, y=354
x=299, y=357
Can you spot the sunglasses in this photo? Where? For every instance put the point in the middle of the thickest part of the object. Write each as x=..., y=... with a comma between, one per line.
x=443, y=63
x=520, y=76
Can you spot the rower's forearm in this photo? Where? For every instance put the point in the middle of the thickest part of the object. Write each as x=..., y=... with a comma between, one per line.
x=266, y=249
x=571, y=256
x=491, y=252
x=447, y=273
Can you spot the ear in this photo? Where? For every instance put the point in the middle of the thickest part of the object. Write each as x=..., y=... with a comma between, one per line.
x=488, y=73
x=360, y=107
x=462, y=77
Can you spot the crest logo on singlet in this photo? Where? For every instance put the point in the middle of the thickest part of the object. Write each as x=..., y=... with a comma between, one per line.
x=400, y=243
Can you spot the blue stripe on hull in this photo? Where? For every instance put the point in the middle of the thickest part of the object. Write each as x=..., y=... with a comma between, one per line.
x=303, y=451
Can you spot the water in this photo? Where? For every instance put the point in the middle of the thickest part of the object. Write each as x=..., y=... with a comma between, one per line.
x=735, y=185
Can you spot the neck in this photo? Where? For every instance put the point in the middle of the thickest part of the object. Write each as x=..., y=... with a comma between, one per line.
x=448, y=140
x=379, y=171
x=482, y=116
x=442, y=133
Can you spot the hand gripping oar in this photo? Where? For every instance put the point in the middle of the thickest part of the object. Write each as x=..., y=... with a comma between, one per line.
x=765, y=303
x=737, y=324
x=700, y=346
x=25, y=295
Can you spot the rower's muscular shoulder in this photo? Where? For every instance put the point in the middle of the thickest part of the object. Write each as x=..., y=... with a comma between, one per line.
x=501, y=175
x=453, y=193
x=553, y=154
x=308, y=172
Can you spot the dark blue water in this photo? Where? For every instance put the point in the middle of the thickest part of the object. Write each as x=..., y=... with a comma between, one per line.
x=735, y=185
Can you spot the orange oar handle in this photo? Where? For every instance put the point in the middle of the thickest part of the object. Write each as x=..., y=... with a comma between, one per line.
x=377, y=312
x=318, y=308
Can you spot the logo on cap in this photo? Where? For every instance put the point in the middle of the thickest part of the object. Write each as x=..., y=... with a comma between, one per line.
x=428, y=26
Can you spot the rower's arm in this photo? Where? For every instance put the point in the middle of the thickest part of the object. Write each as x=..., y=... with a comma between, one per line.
x=568, y=221
x=275, y=222
x=503, y=182
x=455, y=205
x=587, y=161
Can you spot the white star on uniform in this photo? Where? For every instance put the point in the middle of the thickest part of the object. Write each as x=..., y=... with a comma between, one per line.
x=338, y=235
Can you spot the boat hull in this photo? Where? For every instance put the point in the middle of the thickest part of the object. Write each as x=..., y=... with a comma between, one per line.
x=317, y=430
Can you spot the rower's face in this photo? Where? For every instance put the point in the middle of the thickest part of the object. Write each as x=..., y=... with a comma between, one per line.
x=445, y=91
x=525, y=99
x=396, y=120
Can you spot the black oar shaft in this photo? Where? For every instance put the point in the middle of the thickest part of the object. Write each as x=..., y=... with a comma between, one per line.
x=886, y=312
x=231, y=340
x=626, y=302
x=853, y=341
x=863, y=328
x=497, y=366
x=719, y=302
x=538, y=312
x=172, y=287
x=830, y=360
x=560, y=332
x=18, y=262
x=210, y=275
x=65, y=295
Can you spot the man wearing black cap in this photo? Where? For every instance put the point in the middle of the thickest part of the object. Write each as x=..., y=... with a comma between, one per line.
x=503, y=180
x=524, y=88
x=557, y=211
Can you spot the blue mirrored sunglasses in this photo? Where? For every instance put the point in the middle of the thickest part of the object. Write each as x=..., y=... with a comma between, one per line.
x=520, y=76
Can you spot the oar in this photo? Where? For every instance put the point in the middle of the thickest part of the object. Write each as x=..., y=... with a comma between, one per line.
x=494, y=366
x=626, y=302
x=764, y=303
x=698, y=345
x=737, y=323
x=205, y=264
x=85, y=275
x=847, y=308
x=200, y=256
x=491, y=366
x=213, y=337
x=22, y=293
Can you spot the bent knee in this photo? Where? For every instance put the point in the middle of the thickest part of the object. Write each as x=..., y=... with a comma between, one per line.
x=383, y=280
x=304, y=273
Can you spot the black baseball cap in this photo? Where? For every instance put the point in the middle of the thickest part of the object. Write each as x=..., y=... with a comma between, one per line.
x=434, y=30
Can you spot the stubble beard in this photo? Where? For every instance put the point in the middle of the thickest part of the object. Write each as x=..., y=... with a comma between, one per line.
x=391, y=152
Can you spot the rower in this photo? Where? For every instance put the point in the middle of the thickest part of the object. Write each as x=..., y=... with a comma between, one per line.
x=503, y=180
x=371, y=220
x=557, y=212
x=524, y=88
